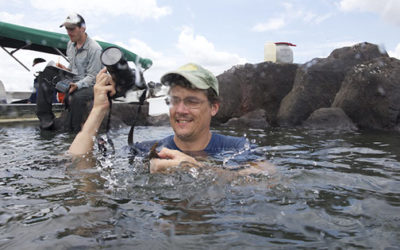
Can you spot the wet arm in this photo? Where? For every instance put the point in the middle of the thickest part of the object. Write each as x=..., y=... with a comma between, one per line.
x=84, y=140
x=173, y=159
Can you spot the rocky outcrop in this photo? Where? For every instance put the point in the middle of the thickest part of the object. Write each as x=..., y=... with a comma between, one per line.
x=129, y=114
x=318, y=81
x=250, y=87
x=354, y=87
x=256, y=119
x=329, y=119
x=370, y=94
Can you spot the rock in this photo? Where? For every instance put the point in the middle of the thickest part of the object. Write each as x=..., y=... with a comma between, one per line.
x=318, y=81
x=256, y=119
x=329, y=119
x=125, y=114
x=370, y=94
x=159, y=120
x=250, y=87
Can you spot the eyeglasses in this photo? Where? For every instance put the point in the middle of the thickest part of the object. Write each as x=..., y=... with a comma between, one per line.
x=189, y=102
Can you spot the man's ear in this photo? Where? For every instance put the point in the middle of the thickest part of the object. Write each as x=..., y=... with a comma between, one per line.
x=214, y=108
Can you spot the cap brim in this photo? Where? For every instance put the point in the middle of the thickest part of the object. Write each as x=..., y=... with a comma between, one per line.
x=68, y=25
x=195, y=81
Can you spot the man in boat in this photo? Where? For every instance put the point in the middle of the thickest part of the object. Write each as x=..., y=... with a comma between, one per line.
x=84, y=56
x=193, y=100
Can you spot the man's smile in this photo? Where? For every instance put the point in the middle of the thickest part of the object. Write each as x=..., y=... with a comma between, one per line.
x=183, y=120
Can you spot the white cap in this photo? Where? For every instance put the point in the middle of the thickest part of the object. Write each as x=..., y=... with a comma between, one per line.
x=73, y=19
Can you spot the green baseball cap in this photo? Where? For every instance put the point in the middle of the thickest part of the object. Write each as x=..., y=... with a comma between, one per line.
x=198, y=76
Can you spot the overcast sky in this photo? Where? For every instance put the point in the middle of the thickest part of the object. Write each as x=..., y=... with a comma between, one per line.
x=217, y=34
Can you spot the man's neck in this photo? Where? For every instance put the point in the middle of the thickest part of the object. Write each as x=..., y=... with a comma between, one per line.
x=81, y=42
x=193, y=145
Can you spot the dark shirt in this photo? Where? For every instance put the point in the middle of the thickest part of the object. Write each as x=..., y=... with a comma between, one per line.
x=222, y=150
x=218, y=144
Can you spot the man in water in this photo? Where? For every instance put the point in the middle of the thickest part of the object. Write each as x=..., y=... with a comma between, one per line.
x=193, y=101
x=84, y=56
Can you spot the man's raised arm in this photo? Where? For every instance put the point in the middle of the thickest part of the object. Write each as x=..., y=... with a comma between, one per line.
x=84, y=140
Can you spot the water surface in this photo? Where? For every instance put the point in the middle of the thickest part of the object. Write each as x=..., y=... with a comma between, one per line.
x=330, y=190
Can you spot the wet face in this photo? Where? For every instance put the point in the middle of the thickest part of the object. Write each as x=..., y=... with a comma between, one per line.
x=190, y=113
x=75, y=33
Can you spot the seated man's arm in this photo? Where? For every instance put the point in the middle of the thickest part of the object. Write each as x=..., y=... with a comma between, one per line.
x=84, y=140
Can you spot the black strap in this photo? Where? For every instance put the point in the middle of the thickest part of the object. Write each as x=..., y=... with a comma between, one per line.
x=100, y=142
x=108, y=126
x=142, y=98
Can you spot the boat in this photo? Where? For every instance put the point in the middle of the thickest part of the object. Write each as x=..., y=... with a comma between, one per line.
x=14, y=38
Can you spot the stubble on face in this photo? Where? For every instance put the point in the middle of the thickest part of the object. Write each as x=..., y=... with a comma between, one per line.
x=189, y=124
x=76, y=35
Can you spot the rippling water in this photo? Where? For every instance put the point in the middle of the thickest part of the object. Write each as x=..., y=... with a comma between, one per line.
x=330, y=190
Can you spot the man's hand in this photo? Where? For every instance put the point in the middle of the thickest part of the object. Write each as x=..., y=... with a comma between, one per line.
x=61, y=66
x=170, y=159
x=104, y=84
x=72, y=87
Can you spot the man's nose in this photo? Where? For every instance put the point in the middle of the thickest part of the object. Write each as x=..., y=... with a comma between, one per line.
x=180, y=107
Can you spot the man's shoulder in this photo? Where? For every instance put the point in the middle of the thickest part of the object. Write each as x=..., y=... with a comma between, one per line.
x=93, y=44
x=221, y=142
x=228, y=138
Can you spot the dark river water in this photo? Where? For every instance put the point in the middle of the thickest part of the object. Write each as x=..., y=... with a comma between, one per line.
x=330, y=190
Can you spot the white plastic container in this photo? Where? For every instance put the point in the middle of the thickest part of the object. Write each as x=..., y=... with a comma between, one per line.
x=278, y=52
x=269, y=52
x=157, y=106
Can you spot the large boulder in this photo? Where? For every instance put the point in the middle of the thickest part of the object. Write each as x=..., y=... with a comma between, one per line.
x=318, y=81
x=254, y=86
x=127, y=114
x=329, y=119
x=256, y=119
x=370, y=94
